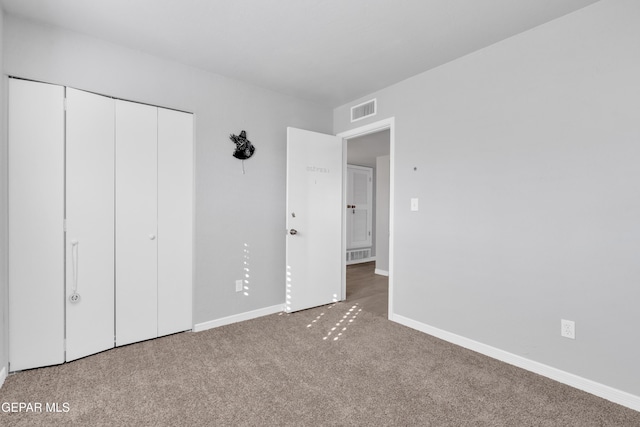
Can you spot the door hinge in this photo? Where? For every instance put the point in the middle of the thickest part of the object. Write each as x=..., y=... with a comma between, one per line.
x=64, y=225
x=65, y=104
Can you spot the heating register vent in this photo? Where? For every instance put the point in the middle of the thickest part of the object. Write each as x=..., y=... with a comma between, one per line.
x=354, y=255
x=364, y=110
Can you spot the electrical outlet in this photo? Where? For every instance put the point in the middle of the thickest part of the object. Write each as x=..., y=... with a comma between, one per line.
x=568, y=328
x=239, y=285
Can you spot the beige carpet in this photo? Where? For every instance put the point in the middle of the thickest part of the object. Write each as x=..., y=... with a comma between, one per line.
x=332, y=365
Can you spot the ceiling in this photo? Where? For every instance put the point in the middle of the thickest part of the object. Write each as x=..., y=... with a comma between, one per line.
x=327, y=51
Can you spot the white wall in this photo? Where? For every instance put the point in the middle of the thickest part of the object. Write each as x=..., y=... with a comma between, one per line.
x=382, y=213
x=232, y=209
x=527, y=157
x=4, y=350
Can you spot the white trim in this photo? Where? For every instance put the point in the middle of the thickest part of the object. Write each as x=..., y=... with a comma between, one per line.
x=381, y=272
x=343, y=230
x=384, y=124
x=606, y=392
x=3, y=375
x=238, y=317
x=360, y=261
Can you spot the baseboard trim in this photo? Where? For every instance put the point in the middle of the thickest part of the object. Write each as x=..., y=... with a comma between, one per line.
x=238, y=318
x=361, y=261
x=381, y=272
x=606, y=392
x=3, y=375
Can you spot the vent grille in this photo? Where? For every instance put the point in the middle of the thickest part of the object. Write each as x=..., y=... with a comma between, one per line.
x=358, y=255
x=364, y=110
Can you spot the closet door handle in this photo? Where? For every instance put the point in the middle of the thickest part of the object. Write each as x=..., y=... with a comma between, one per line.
x=75, y=296
x=152, y=237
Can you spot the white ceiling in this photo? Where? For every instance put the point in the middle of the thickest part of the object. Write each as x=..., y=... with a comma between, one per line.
x=328, y=51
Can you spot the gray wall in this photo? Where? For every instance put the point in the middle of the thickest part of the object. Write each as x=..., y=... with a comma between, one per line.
x=4, y=351
x=382, y=213
x=527, y=157
x=232, y=209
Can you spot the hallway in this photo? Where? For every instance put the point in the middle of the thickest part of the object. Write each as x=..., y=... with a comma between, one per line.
x=368, y=289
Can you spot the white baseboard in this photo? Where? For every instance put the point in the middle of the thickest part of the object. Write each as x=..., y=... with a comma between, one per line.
x=360, y=261
x=609, y=393
x=238, y=318
x=381, y=272
x=3, y=375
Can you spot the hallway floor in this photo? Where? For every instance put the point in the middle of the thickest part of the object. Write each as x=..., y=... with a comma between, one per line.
x=368, y=289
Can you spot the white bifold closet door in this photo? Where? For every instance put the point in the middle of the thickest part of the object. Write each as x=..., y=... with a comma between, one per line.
x=90, y=145
x=36, y=216
x=123, y=176
x=136, y=222
x=154, y=200
x=175, y=221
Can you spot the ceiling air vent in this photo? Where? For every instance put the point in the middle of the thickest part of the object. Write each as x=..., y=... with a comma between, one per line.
x=364, y=110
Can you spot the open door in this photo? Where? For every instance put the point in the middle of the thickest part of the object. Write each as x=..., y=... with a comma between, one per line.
x=314, y=249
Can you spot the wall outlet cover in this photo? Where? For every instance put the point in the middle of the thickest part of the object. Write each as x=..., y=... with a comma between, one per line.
x=568, y=329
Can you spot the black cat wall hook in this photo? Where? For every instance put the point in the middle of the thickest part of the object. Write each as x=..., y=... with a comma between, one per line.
x=244, y=148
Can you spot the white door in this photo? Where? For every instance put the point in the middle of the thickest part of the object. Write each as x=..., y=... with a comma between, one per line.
x=359, y=206
x=36, y=215
x=136, y=222
x=314, y=219
x=90, y=223
x=175, y=221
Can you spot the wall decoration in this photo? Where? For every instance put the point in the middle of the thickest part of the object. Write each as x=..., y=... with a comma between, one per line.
x=244, y=148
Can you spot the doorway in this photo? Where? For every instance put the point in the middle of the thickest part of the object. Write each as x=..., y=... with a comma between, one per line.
x=371, y=282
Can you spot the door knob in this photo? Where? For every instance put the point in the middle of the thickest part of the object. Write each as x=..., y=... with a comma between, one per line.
x=152, y=237
x=293, y=231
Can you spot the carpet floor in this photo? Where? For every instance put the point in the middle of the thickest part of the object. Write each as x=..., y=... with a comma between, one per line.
x=336, y=365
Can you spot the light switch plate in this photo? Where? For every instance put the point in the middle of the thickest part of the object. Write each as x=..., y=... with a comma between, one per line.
x=414, y=204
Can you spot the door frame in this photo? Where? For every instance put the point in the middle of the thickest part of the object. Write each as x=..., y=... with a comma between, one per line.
x=374, y=127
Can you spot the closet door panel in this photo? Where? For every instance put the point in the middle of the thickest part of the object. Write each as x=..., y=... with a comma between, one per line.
x=175, y=221
x=36, y=214
x=136, y=222
x=90, y=223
